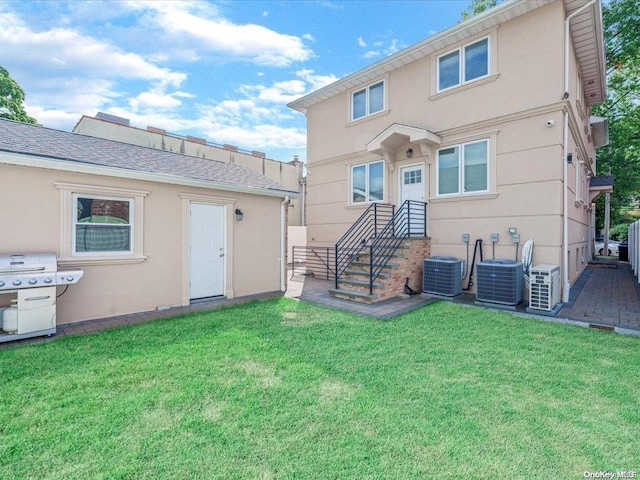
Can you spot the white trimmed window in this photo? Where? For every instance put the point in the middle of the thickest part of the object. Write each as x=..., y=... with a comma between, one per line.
x=463, y=168
x=367, y=101
x=367, y=183
x=100, y=224
x=463, y=65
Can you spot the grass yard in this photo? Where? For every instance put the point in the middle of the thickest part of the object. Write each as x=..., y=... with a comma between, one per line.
x=285, y=389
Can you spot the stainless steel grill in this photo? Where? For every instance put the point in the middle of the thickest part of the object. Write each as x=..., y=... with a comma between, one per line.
x=32, y=278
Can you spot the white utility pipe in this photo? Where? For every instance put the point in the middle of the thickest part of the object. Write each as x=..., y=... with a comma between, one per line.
x=283, y=243
x=566, y=286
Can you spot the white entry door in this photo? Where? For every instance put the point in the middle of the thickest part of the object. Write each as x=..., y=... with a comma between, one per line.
x=206, y=263
x=412, y=187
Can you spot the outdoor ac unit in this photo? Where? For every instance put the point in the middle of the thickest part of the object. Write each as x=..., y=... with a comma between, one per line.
x=544, y=289
x=499, y=281
x=442, y=276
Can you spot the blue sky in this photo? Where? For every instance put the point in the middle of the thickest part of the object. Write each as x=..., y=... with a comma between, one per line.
x=221, y=70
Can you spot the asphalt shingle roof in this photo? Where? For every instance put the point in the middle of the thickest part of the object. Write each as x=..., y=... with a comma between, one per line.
x=601, y=181
x=25, y=138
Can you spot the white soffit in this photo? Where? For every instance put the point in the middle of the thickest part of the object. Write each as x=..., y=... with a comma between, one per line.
x=588, y=42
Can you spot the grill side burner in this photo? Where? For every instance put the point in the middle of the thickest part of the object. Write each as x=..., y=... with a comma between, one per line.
x=32, y=279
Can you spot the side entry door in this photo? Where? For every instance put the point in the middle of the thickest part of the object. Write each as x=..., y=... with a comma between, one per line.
x=206, y=242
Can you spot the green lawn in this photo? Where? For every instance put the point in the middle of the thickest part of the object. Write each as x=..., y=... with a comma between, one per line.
x=286, y=389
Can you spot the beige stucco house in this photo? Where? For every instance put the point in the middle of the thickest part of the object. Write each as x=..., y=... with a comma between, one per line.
x=488, y=123
x=149, y=228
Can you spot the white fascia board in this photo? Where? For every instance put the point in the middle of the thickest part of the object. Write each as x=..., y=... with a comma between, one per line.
x=26, y=160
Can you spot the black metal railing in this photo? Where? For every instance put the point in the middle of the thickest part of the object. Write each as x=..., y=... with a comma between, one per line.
x=316, y=261
x=410, y=220
x=368, y=226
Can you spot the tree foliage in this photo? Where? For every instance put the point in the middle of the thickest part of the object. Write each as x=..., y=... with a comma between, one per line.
x=477, y=6
x=12, y=99
x=621, y=158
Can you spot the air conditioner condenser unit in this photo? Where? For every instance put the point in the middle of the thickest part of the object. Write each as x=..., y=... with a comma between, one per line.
x=544, y=290
x=499, y=281
x=442, y=276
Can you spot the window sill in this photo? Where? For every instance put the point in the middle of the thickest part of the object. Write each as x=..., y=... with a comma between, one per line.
x=87, y=261
x=465, y=86
x=464, y=198
x=368, y=117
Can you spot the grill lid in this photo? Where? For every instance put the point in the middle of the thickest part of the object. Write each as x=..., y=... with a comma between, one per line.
x=18, y=263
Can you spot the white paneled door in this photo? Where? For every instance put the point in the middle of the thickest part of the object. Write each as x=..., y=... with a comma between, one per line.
x=206, y=251
x=412, y=187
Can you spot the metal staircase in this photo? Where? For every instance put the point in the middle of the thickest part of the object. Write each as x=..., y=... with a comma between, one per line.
x=364, y=253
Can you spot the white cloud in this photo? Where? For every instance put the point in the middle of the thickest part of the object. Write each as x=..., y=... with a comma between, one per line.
x=67, y=73
x=315, y=81
x=157, y=100
x=361, y=42
x=187, y=22
x=384, y=47
x=64, y=51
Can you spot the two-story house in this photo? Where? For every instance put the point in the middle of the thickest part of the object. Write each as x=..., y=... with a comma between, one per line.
x=486, y=127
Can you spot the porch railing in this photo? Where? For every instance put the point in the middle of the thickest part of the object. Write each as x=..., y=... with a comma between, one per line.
x=368, y=226
x=410, y=220
x=316, y=261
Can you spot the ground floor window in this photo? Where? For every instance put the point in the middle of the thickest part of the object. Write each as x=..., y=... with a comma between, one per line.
x=101, y=224
x=463, y=168
x=367, y=182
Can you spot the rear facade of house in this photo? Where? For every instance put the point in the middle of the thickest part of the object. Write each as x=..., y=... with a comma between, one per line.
x=488, y=123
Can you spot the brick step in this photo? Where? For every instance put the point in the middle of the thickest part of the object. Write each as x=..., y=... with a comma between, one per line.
x=353, y=295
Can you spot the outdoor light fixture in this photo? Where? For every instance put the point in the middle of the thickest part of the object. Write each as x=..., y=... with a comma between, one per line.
x=409, y=152
x=239, y=214
x=570, y=158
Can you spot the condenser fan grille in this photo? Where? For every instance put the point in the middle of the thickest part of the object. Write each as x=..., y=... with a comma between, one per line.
x=442, y=276
x=499, y=281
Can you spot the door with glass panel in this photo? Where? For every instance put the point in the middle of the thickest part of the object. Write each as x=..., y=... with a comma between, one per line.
x=412, y=187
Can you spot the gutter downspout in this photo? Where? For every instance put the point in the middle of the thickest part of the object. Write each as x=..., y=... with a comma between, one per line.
x=566, y=286
x=283, y=243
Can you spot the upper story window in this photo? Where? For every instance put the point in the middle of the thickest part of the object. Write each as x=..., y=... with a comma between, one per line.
x=463, y=168
x=367, y=183
x=463, y=65
x=367, y=101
